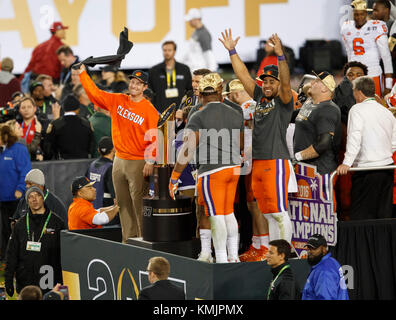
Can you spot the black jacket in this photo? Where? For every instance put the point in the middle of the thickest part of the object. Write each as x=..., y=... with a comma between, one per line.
x=162, y=290
x=285, y=287
x=158, y=83
x=26, y=264
x=69, y=137
x=51, y=201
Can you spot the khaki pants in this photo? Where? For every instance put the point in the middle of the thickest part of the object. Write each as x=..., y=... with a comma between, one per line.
x=130, y=187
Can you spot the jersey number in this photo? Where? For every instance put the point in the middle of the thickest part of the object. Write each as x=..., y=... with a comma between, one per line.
x=357, y=48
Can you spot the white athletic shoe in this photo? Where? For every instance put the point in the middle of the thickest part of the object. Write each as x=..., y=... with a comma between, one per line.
x=207, y=257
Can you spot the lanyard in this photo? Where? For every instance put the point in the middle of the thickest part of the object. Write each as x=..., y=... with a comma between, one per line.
x=44, y=107
x=64, y=80
x=28, y=129
x=42, y=231
x=168, y=80
x=90, y=110
x=273, y=281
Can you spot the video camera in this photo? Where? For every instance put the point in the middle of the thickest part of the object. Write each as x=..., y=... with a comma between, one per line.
x=8, y=113
x=11, y=110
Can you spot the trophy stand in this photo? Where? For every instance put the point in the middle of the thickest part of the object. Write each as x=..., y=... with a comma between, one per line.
x=165, y=219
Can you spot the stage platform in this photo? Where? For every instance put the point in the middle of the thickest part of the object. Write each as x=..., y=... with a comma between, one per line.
x=98, y=267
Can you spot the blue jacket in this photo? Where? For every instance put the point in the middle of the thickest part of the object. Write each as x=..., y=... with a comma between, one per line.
x=14, y=165
x=325, y=281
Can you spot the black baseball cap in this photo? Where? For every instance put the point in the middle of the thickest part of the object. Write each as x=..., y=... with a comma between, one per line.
x=315, y=241
x=141, y=75
x=34, y=85
x=79, y=183
x=105, y=145
x=270, y=71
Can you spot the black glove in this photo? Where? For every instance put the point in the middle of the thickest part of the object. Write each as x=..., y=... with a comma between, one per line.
x=9, y=288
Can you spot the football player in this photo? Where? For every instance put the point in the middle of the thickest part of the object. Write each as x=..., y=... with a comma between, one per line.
x=366, y=41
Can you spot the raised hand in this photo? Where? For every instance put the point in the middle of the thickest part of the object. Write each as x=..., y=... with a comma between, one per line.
x=227, y=40
x=56, y=110
x=37, y=125
x=277, y=44
x=82, y=68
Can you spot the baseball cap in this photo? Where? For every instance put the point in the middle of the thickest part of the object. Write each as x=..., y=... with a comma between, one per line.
x=315, y=241
x=109, y=68
x=33, y=189
x=234, y=85
x=105, y=145
x=57, y=25
x=327, y=79
x=71, y=103
x=360, y=5
x=7, y=64
x=79, y=183
x=141, y=75
x=210, y=82
x=34, y=85
x=36, y=176
x=193, y=13
x=269, y=71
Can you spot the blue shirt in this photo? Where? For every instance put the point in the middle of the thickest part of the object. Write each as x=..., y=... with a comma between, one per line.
x=14, y=165
x=326, y=281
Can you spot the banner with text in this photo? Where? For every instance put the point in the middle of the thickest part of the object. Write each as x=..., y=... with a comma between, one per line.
x=311, y=209
x=95, y=25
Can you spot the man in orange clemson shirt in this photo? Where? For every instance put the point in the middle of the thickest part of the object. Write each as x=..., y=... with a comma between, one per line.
x=134, y=126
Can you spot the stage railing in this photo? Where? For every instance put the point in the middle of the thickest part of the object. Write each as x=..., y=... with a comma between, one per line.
x=334, y=173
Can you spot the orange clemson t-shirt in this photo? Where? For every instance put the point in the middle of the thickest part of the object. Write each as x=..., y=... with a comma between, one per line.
x=133, y=124
x=80, y=214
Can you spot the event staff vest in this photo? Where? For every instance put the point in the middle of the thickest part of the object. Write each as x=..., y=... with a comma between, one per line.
x=97, y=173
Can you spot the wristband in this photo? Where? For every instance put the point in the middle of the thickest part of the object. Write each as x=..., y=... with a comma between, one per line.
x=231, y=52
x=150, y=161
x=388, y=83
x=281, y=58
x=298, y=156
x=175, y=175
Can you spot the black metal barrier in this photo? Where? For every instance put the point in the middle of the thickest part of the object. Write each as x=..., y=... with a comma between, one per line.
x=96, y=268
x=59, y=175
x=367, y=251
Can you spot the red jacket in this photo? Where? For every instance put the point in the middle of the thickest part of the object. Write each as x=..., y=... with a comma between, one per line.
x=45, y=60
x=8, y=86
